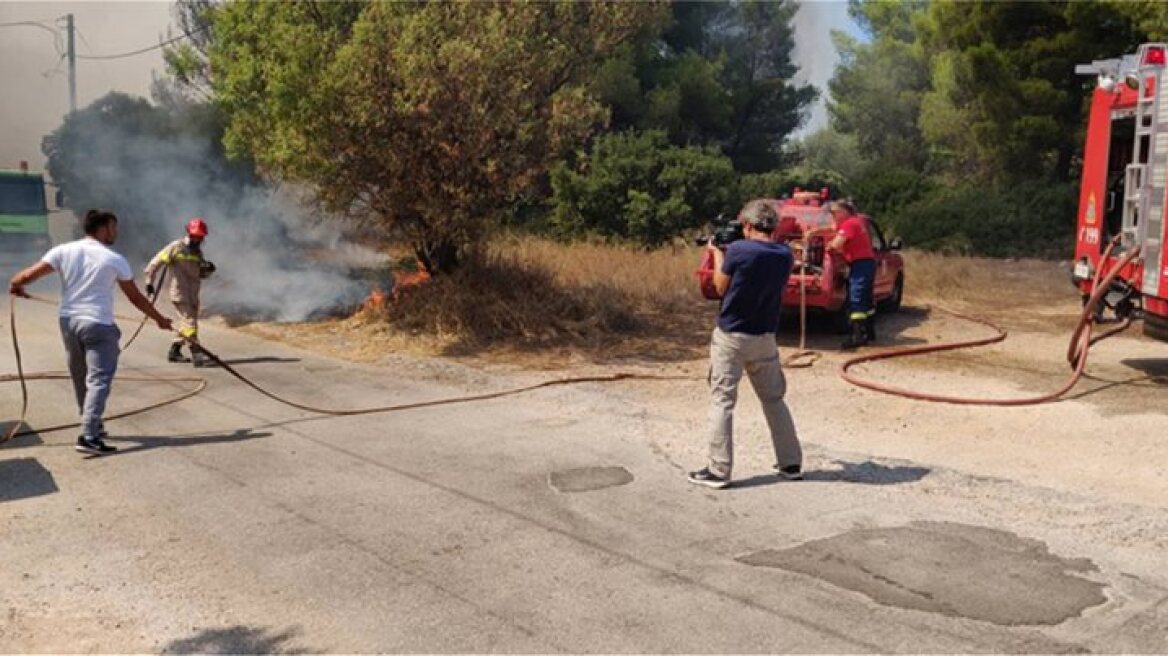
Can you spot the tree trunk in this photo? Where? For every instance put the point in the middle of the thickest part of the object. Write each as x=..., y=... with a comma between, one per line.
x=1065, y=162
x=437, y=257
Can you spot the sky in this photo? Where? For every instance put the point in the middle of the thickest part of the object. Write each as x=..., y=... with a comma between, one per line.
x=35, y=93
x=814, y=52
x=33, y=77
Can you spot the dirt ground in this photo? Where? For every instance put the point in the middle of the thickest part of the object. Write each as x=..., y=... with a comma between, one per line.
x=560, y=520
x=1104, y=435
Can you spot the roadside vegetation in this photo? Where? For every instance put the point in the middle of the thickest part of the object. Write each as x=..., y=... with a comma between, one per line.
x=545, y=303
x=545, y=163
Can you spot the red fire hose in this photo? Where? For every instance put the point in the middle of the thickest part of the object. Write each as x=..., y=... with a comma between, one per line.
x=1080, y=344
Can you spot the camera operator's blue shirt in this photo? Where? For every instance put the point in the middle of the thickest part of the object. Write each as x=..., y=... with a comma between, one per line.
x=758, y=273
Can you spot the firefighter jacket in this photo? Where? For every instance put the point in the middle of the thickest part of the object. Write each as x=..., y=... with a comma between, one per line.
x=187, y=269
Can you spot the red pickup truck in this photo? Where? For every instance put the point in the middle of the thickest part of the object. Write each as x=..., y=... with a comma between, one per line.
x=805, y=224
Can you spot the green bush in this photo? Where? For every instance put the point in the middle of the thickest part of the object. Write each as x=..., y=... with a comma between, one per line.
x=636, y=186
x=881, y=189
x=1031, y=219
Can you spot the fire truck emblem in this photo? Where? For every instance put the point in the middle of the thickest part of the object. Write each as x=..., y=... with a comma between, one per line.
x=1091, y=209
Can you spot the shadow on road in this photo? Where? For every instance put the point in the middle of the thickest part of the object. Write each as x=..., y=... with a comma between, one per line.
x=869, y=473
x=1155, y=369
x=141, y=443
x=1153, y=379
x=238, y=640
x=823, y=335
x=30, y=439
x=864, y=473
x=265, y=359
x=24, y=478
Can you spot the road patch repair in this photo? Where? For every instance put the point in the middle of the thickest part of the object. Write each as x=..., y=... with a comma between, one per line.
x=953, y=569
x=587, y=479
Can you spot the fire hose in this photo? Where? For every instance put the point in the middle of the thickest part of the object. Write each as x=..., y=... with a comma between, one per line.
x=803, y=357
x=1080, y=344
x=201, y=384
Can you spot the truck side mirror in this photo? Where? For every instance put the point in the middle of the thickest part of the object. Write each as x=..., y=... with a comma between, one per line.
x=896, y=244
x=59, y=199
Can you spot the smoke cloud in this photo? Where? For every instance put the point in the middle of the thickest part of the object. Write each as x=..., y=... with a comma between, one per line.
x=36, y=95
x=276, y=259
x=814, y=52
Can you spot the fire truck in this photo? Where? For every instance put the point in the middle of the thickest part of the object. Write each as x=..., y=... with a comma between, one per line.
x=819, y=278
x=1122, y=195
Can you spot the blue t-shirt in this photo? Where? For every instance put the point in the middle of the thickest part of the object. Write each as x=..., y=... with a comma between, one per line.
x=758, y=275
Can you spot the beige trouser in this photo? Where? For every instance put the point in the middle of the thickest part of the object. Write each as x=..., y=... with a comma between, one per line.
x=758, y=356
x=188, y=321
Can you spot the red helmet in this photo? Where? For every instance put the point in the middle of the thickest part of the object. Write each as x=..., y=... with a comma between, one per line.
x=197, y=227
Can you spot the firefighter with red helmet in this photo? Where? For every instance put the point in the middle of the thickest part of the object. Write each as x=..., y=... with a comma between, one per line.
x=854, y=243
x=187, y=268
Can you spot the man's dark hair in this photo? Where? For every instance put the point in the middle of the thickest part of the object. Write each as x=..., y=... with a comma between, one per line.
x=97, y=219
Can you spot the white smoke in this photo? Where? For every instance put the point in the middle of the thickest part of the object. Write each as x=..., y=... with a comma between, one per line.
x=814, y=52
x=276, y=259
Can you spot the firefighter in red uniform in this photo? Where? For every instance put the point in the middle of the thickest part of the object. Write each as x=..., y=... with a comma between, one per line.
x=853, y=242
x=187, y=268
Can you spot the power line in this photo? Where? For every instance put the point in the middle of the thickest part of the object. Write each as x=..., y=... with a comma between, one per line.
x=14, y=24
x=41, y=25
x=180, y=37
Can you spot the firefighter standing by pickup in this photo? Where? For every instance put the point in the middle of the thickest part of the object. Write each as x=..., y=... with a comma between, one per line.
x=187, y=269
x=854, y=243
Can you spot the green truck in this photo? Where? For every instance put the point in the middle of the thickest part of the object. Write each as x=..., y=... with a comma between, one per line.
x=24, y=215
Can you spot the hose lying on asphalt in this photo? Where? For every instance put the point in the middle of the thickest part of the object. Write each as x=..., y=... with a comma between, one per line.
x=201, y=384
x=1080, y=345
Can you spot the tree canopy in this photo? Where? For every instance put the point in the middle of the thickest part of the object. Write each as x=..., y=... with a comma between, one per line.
x=434, y=122
x=965, y=100
x=720, y=75
x=431, y=119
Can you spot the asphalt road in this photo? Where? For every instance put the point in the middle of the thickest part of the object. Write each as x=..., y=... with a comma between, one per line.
x=549, y=522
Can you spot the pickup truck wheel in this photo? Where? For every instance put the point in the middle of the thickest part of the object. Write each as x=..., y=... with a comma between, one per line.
x=892, y=303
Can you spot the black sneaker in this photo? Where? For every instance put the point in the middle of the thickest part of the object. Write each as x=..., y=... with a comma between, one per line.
x=94, y=446
x=790, y=472
x=708, y=478
x=176, y=355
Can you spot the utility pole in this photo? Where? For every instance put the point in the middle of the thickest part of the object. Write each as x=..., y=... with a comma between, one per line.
x=72, y=54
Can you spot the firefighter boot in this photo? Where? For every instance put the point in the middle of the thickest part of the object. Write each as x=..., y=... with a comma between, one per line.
x=857, y=338
x=870, y=328
x=175, y=354
x=199, y=357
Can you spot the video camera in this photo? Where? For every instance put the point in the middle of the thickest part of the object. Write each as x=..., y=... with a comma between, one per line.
x=725, y=231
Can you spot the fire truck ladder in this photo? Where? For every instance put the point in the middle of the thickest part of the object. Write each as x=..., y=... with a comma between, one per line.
x=1146, y=176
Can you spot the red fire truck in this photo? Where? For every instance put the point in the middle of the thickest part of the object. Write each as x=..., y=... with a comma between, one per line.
x=1125, y=175
x=820, y=276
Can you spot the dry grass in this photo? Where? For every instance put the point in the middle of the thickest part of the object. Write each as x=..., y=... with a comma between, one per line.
x=1030, y=294
x=650, y=280
x=536, y=302
x=980, y=281
x=525, y=294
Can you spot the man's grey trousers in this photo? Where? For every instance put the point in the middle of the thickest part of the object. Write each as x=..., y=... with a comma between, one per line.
x=731, y=354
x=93, y=351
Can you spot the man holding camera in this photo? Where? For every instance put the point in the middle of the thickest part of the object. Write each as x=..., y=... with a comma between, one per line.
x=187, y=267
x=750, y=277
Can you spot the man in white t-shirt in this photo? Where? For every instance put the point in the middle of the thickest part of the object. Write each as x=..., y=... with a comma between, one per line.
x=89, y=270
